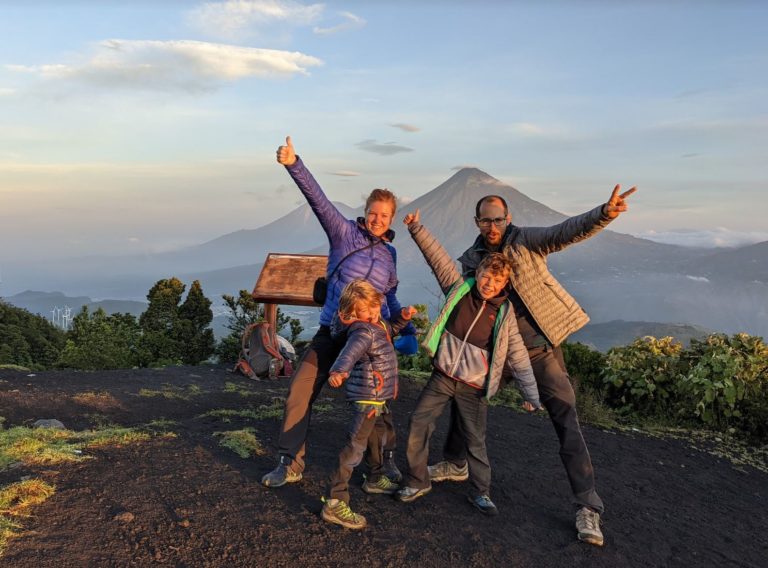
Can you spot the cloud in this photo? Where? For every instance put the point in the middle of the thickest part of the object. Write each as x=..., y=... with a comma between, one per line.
x=7, y=92
x=237, y=18
x=457, y=168
x=182, y=65
x=345, y=173
x=718, y=238
x=690, y=155
x=351, y=22
x=134, y=240
x=406, y=127
x=385, y=149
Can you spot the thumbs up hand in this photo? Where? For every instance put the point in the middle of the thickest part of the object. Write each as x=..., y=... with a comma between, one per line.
x=286, y=154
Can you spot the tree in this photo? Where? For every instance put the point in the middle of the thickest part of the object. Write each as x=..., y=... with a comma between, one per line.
x=161, y=342
x=195, y=334
x=100, y=341
x=28, y=339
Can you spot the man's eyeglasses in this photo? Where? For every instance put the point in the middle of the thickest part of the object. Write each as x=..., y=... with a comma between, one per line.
x=486, y=222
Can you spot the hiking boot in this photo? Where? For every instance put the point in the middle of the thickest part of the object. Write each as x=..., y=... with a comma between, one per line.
x=338, y=512
x=588, y=525
x=383, y=486
x=484, y=505
x=390, y=467
x=448, y=471
x=281, y=475
x=408, y=494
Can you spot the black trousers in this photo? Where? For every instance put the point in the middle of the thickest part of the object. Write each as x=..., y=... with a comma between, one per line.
x=558, y=398
x=471, y=412
x=307, y=381
x=367, y=430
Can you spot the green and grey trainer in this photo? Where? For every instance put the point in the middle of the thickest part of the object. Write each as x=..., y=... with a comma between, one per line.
x=382, y=486
x=448, y=471
x=281, y=475
x=338, y=512
x=588, y=526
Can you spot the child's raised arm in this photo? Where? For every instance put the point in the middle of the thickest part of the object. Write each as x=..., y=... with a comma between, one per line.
x=438, y=259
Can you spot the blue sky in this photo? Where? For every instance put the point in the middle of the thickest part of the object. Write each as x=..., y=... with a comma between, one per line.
x=134, y=127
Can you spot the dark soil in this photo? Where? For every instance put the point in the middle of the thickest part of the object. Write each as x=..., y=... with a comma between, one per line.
x=195, y=503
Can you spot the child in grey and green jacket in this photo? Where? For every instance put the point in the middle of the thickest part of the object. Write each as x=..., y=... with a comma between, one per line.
x=474, y=340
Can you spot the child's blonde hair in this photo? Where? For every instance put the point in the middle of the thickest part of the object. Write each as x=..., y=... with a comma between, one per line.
x=355, y=293
x=497, y=264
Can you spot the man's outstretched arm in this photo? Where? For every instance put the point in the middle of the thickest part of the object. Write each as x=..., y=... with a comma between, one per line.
x=547, y=240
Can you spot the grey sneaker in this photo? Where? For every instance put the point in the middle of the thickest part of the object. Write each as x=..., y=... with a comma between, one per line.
x=383, y=486
x=448, y=471
x=408, y=494
x=390, y=467
x=588, y=525
x=338, y=512
x=281, y=475
x=484, y=505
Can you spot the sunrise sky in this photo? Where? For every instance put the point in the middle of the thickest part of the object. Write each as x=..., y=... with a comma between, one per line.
x=144, y=126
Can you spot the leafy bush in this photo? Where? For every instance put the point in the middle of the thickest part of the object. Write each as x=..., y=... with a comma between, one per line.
x=420, y=361
x=725, y=382
x=641, y=377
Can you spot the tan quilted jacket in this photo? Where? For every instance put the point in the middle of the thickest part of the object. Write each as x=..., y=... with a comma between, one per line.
x=554, y=310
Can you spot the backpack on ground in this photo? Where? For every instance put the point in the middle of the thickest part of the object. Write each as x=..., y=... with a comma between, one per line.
x=261, y=355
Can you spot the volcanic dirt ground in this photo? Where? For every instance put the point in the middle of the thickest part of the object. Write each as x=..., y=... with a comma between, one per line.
x=193, y=502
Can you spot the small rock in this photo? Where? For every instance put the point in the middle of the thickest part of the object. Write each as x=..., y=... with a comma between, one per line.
x=184, y=523
x=32, y=375
x=124, y=517
x=48, y=423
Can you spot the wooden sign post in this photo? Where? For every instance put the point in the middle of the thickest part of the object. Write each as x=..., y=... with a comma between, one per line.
x=288, y=279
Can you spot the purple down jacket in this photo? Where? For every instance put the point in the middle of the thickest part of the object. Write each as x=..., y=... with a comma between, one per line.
x=376, y=264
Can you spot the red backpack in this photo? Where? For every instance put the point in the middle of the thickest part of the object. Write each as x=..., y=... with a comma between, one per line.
x=260, y=356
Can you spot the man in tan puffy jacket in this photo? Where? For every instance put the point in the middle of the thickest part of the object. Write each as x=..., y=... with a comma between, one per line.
x=546, y=315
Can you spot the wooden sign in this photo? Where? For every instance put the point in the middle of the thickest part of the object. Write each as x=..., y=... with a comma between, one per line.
x=289, y=279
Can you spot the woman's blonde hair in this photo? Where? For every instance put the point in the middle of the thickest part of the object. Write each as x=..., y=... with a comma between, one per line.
x=355, y=293
x=382, y=195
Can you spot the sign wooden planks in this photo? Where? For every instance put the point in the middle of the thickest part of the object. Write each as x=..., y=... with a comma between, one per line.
x=289, y=278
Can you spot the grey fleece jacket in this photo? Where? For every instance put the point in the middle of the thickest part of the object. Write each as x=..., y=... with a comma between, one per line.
x=509, y=353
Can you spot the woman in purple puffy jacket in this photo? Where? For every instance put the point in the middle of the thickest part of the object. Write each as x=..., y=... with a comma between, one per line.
x=373, y=259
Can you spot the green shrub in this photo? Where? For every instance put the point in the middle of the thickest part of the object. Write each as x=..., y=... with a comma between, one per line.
x=725, y=382
x=28, y=340
x=641, y=377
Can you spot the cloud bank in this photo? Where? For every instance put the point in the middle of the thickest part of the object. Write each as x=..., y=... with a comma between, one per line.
x=351, y=22
x=174, y=65
x=406, y=127
x=237, y=18
x=716, y=238
x=384, y=149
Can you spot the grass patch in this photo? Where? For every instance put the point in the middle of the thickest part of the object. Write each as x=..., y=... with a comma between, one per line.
x=15, y=501
x=47, y=446
x=227, y=414
x=161, y=425
x=9, y=367
x=173, y=393
x=238, y=389
x=243, y=442
x=97, y=400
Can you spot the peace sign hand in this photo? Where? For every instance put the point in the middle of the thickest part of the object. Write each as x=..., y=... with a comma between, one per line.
x=285, y=154
x=617, y=203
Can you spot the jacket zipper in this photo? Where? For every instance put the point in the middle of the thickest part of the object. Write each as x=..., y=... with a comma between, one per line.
x=464, y=341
